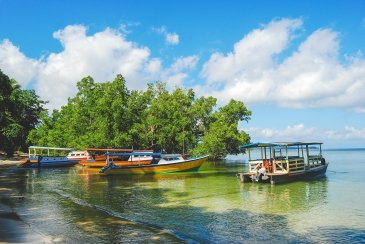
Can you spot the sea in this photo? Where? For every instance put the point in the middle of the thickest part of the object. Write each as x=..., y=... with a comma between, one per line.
x=76, y=205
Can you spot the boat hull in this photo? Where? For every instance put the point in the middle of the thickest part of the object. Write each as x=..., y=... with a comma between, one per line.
x=100, y=164
x=275, y=178
x=48, y=161
x=186, y=165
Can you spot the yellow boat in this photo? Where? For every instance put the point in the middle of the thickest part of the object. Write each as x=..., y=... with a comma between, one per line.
x=161, y=163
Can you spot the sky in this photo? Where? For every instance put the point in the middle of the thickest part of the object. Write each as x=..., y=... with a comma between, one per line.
x=299, y=66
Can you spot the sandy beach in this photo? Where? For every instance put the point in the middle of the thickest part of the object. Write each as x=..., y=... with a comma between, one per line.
x=13, y=229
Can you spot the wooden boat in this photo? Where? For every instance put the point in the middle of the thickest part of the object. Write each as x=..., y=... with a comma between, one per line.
x=161, y=163
x=79, y=155
x=283, y=162
x=98, y=157
x=47, y=157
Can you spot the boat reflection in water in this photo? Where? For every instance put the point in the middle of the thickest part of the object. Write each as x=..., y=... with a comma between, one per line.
x=285, y=198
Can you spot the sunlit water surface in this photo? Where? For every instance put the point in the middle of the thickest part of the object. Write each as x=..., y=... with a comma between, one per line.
x=211, y=205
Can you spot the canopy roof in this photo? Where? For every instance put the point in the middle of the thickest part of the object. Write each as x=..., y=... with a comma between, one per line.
x=116, y=150
x=109, y=150
x=133, y=154
x=51, y=148
x=278, y=144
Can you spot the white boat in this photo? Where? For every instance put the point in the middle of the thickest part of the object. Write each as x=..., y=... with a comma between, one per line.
x=283, y=162
x=79, y=155
x=48, y=157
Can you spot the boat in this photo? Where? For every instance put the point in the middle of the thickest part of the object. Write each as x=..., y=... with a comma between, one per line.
x=161, y=163
x=79, y=155
x=47, y=157
x=97, y=157
x=283, y=162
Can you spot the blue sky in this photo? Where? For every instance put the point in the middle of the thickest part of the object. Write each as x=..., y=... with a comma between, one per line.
x=298, y=65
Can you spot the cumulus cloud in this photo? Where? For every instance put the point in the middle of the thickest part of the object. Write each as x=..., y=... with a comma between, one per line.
x=14, y=63
x=101, y=55
x=170, y=38
x=311, y=76
x=178, y=71
x=265, y=65
x=352, y=132
x=300, y=132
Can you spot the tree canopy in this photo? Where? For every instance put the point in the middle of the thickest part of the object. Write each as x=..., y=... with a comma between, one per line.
x=19, y=113
x=109, y=115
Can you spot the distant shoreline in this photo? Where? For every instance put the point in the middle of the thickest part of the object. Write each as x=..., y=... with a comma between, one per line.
x=345, y=149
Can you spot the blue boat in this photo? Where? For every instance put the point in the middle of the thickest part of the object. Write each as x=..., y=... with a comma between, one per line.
x=40, y=157
x=283, y=162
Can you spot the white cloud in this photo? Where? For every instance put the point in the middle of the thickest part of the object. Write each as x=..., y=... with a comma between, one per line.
x=259, y=69
x=177, y=73
x=252, y=56
x=352, y=132
x=184, y=63
x=101, y=55
x=312, y=76
x=15, y=64
x=291, y=133
x=301, y=133
x=170, y=38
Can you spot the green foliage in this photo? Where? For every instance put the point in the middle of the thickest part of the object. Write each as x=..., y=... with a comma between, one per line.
x=223, y=137
x=109, y=115
x=19, y=114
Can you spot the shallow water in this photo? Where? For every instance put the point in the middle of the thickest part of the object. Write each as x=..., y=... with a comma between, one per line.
x=211, y=205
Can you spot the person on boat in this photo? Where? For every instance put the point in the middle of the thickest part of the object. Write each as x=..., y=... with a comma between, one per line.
x=261, y=170
x=268, y=165
x=109, y=163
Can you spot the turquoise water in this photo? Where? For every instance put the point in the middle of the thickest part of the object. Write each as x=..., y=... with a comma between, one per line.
x=75, y=205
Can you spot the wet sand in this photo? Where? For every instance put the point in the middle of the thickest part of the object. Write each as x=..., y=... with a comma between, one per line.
x=13, y=229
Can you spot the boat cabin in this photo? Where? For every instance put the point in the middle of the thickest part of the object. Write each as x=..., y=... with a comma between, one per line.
x=283, y=159
x=39, y=156
x=79, y=155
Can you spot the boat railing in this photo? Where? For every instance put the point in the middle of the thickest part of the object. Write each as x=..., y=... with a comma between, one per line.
x=283, y=165
x=280, y=165
x=46, y=156
x=314, y=161
x=296, y=164
x=253, y=165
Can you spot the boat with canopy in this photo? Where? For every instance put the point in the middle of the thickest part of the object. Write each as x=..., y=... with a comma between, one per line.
x=48, y=157
x=283, y=161
x=123, y=157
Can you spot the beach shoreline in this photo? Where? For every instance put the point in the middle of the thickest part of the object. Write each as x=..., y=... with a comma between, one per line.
x=13, y=229
x=9, y=162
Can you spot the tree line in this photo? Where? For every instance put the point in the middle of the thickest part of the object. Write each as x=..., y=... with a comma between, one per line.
x=19, y=114
x=109, y=115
